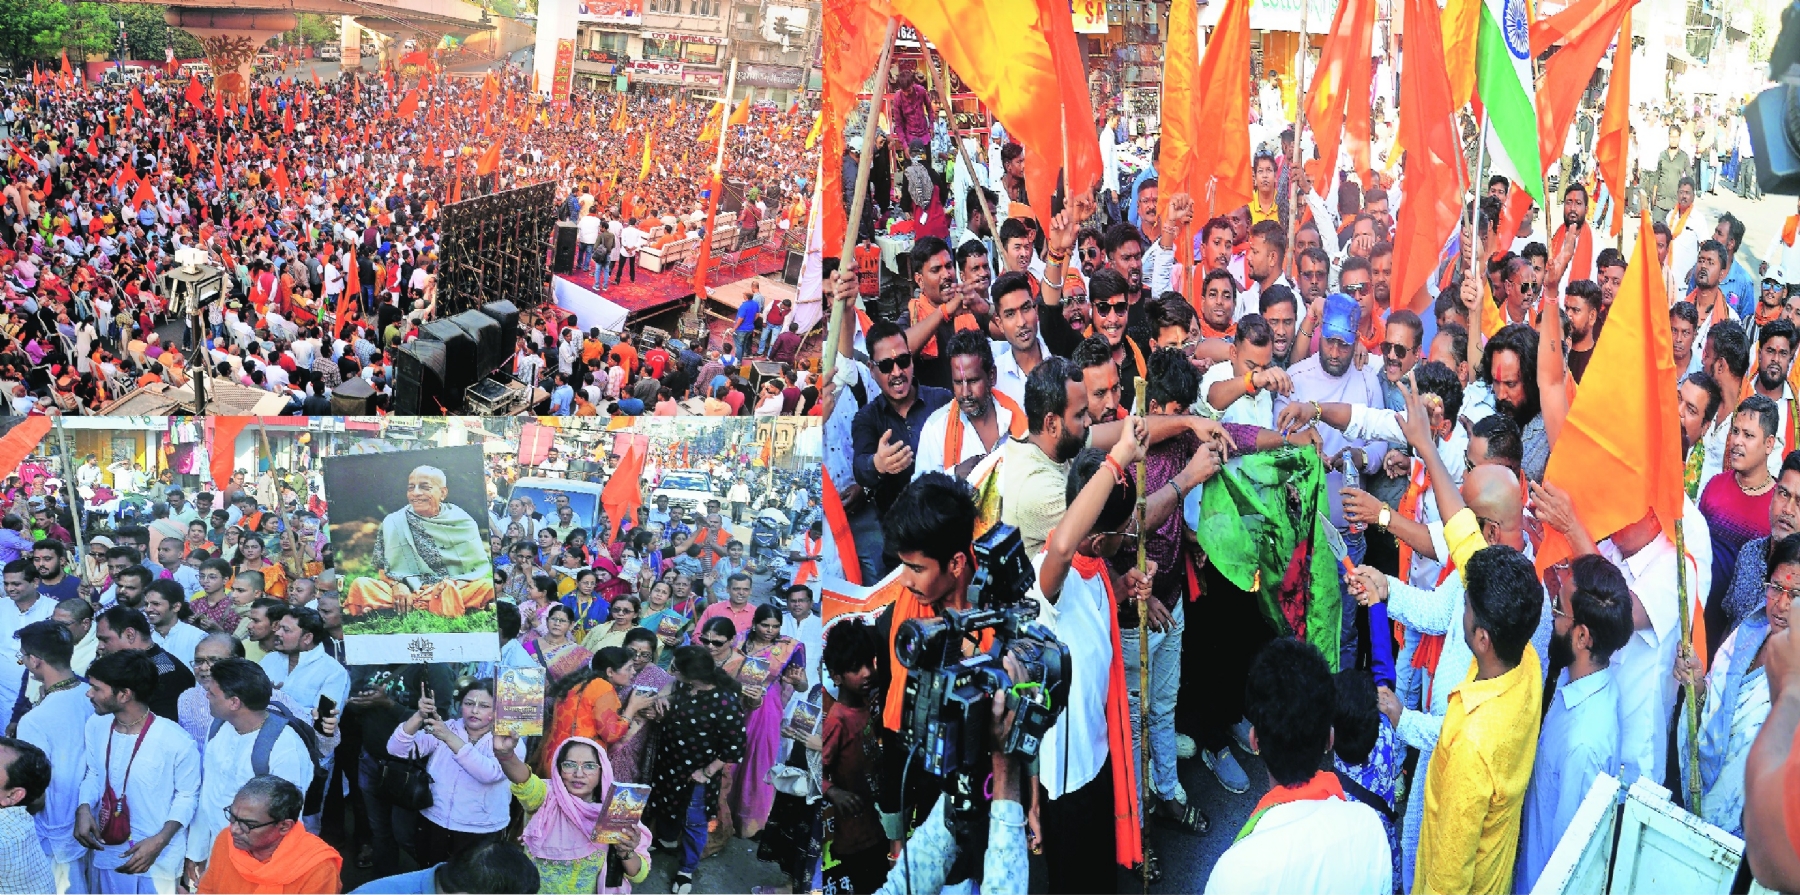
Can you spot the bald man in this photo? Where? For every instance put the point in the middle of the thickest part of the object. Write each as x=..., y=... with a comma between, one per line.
x=1488, y=509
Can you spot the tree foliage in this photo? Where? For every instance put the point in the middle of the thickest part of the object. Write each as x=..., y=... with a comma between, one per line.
x=40, y=30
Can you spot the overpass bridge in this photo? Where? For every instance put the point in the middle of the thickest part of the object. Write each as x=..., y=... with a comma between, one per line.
x=233, y=31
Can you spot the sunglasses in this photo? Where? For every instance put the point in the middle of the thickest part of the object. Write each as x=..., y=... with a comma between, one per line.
x=1394, y=349
x=1354, y=288
x=1528, y=288
x=1105, y=308
x=1090, y=253
x=715, y=644
x=901, y=361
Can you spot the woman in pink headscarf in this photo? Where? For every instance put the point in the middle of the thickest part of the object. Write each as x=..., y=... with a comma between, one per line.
x=565, y=809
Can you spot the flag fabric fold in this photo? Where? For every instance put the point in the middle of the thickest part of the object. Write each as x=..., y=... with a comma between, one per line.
x=852, y=36
x=1613, y=136
x=1224, y=87
x=1503, y=78
x=1344, y=73
x=1434, y=178
x=1581, y=34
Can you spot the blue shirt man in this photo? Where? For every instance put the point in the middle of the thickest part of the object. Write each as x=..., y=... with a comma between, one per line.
x=561, y=400
x=747, y=314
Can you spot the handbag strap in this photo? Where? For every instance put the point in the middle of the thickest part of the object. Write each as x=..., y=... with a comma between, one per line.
x=148, y=718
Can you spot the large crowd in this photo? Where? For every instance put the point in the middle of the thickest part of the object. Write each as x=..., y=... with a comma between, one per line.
x=1460, y=699
x=320, y=200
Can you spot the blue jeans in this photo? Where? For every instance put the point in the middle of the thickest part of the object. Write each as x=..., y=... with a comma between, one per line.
x=743, y=341
x=1165, y=684
x=766, y=340
x=584, y=254
x=603, y=272
x=694, y=830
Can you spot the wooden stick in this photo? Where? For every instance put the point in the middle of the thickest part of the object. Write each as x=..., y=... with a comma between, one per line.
x=1692, y=712
x=1140, y=387
x=846, y=256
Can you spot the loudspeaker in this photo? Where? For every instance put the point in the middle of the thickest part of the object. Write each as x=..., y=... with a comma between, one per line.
x=419, y=378
x=355, y=397
x=565, y=248
x=459, y=360
x=485, y=330
x=790, y=271
x=507, y=314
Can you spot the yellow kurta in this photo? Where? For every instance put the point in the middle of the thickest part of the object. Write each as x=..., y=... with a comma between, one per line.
x=1475, y=787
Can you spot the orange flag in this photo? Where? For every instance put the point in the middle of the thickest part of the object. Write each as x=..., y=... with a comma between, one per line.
x=1338, y=99
x=1434, y=178
x=1462, y=24
x=194, y=93
x=278, y=176
x=618, y=121
x=621, y=497
x=1581, y=34
x=1619, y=454
x=65, y=75
x=1518, y=205
x=137, y=101
x=409, y=104
x=1615, y=126
x=20, y=441
x=456, y=191
x=142, y=196
x=644, y=171
x=287, y=120
x=315, y=77
x=489, y=161
x=1225, y=107
x=741, y=116
x=193, y=151
x=1182, y=132
x=1011, y=54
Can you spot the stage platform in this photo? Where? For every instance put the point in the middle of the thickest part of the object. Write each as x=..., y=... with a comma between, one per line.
x=653, y=294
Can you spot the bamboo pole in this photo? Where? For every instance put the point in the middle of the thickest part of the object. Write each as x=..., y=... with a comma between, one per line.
x=846, y=258
x=712, y=202
x=1692, y=712
x=1141, y=387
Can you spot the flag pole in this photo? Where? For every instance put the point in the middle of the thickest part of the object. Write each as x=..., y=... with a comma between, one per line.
x=1295, y=161
x=712, y=203
x=1692, y=712
x=1475, y=259
x=1140, y=388
x=853, y=224
x=942, y=86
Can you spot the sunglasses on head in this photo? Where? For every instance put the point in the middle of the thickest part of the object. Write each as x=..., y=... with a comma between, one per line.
x=1120, y=307
x=900, y=361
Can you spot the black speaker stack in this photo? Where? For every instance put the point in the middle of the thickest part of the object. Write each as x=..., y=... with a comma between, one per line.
x=564, y=259
x=433, y=373
x=497, y=248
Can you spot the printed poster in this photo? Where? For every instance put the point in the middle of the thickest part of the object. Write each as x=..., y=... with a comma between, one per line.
x=1089, y=15
x=565, y=70
x=410, y=531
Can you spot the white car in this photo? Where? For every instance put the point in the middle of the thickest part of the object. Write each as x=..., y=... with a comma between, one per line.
x=331, y=53
x=688, y=490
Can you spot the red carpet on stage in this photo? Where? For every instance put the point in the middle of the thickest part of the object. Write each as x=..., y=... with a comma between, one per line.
x=654, y=292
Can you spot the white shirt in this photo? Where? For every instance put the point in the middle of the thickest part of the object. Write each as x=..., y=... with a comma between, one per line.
x=180, y=641
x=1311, y=846
x=1074, y=750
x=1645, y=666
x=589, y=229
x=56, y=726
x=930, y=456
x=811, y=634
x=12, y=675
x=164, y=786
x=1009, y=379
x=1250, y=410
x=1249, y=298
x=228, y=764
x=316, y=674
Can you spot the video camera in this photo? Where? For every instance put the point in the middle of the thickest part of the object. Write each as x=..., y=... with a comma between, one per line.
x=948, y=709
x=1773, y=117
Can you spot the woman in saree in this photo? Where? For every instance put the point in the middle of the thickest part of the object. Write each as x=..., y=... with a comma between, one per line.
x=429, y=555
x=631, y=754
x=534, y=610
x=557, y=647
x=764, y=699
x=586, y=604
x=253, y=557
x=565, y=806
x=612, y=633
x=595, y=702
x=575, y=549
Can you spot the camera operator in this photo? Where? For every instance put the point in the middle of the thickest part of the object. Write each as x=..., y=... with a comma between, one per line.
x=1086, y=764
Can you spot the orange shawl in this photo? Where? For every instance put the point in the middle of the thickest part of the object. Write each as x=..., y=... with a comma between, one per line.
x=1128, y=849
x=1582, y=266
x=302, y=864
x=920, y=308
x=953, y=430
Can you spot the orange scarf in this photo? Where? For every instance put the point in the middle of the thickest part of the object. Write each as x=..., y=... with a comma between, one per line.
x=1323, y=785
x=809, y=569
x=1409, y=507
x=1207, y=332
x=1790, y=229
x=1582, y=266
x=1128, y=847
x=920, y=308
x=295, y=866
x=1680, y=224
x=1719, y=307
x=953, y=431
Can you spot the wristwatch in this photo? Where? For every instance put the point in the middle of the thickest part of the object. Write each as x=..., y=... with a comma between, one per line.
x=1381, y=518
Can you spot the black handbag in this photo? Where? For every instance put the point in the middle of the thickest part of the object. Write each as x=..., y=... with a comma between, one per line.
x=405, y=781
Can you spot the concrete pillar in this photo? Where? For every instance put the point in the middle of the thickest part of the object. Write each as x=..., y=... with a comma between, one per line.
x=350, y=42
x=231, y=39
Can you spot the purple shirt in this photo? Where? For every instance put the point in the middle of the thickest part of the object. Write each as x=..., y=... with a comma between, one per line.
x=13, y=545
x=469, y=792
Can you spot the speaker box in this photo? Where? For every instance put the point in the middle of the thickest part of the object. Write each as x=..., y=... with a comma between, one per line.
x=459, y=360
x=507, y=314
x=790, y=271
x=419, y=378
x=564, y=261
x=355, y=397
x=490, y=352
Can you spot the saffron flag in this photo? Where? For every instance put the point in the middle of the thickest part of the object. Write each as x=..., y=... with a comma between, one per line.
x=1182, y=132
x=1225, y=107
x=1338, y=99
x=315, y=77
x=287, y=120
x=1580, y=34
x=194, y=93
x=489, y=161
x=137, y=101
x=409, y=104
x=853, y=34
x=1011, y=54
x=1436, y=179
x=644, y=171
x=1615, y=125
x=1503, y=78
x=143, y=196
x=19, y=442
x=1619, y=454
x=1461, y=21
x=622, y=495
x=838, y=524
x=742, y=115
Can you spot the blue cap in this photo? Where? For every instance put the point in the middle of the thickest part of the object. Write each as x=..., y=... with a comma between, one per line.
x=1341, y=315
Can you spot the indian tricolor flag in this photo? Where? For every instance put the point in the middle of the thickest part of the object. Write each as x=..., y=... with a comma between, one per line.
x=1504, y=81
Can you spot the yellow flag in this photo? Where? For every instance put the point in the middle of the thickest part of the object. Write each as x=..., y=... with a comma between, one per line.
x=645, y=170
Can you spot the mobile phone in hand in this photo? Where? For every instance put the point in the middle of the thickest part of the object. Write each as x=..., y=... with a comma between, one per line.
x=326, y=707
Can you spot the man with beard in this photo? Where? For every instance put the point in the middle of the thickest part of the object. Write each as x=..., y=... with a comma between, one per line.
x=1709, y=301
x=1580, y=735
x=1381, y=284
x=1122, y=350
x=1375, y=205
x=1214, y=245
x=1744, y=595
x=941, y=308
x=1034, y=470
x=1314, y=282
x=1399, y=349
x=1088, y=252
x=1353, y=281
x=1101, y=377
x=1506, y=383
x=1125, y=253
x=1519, y=281
x=1736, y=506
x=957, y=435
x=1582, y=303
x=1774, y=355
x=1684, y=325
x=1575, y=226
x=1609, y=270
x=1279, y=307
x=885, y=432
x=1725, y=359
x=1264, y=263
x=1021, y=348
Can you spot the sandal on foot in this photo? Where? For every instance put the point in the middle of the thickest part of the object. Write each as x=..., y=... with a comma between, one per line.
x=1153, y=874
x=1184, y=816
x=365, y=858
